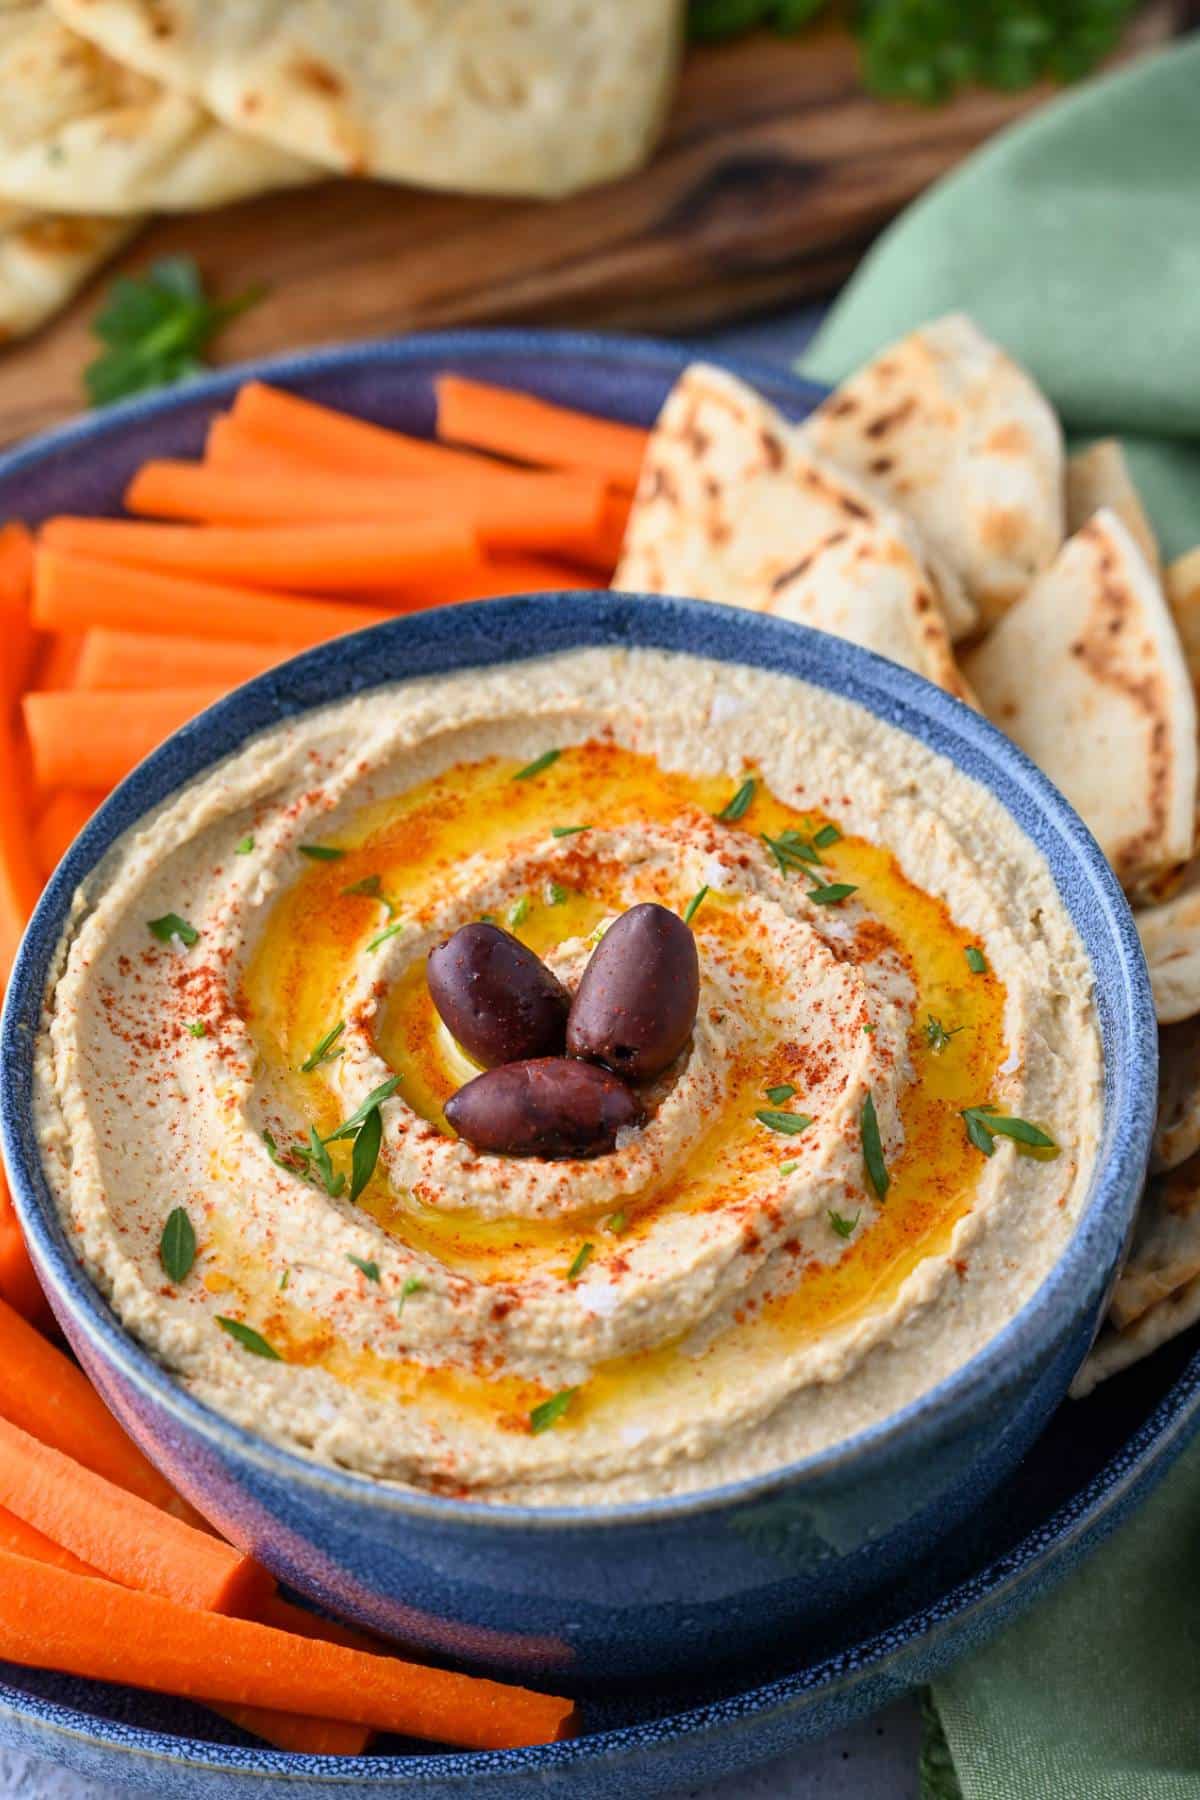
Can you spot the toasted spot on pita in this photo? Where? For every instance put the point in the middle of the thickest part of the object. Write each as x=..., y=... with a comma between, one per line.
x=1087, y=674
x=718, y=519
x=1099, y=477
x=975, y=457
x=45, y=259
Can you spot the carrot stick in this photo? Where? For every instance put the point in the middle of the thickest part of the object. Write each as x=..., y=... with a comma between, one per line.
x=20, y=875
x=141, y=659
x=499, y=575
x=79, y=1625
x=536, y=431
x=20, y=1539
x=57, y=661
x=72, y=593
x=304, y=430
x=19, y=1286
x=287, y=1731
x=60, y=822
x=50, y=1397
x=127, y=1539
x=93, y=740
x=16, y=563
x=338, y=558
x=560, y=513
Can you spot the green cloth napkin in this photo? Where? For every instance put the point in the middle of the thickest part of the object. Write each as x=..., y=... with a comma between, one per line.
x=1074, y=240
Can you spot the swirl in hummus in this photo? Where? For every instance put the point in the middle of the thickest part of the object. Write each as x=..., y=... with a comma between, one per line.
x=748, y=1293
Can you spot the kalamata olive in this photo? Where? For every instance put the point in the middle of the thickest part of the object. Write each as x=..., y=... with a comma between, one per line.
x=636, y=1004
x=550, y=1106
x=497, y=998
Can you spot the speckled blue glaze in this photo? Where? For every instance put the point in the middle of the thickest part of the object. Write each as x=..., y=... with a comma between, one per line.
x=814, y=1556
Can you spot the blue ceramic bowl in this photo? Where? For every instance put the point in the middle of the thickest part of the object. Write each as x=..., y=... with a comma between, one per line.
x=581, y=1595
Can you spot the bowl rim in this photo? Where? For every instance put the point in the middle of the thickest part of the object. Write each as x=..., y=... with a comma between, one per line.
x=882, y=687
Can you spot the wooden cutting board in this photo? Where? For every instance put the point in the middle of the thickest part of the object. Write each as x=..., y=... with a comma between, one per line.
x=775, y=173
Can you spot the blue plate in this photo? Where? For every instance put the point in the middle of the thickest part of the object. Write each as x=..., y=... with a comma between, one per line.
x=1094, y=1463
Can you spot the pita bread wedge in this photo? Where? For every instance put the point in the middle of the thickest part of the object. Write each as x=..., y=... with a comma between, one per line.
x=1170, y=935
x=1177, y=1131
x=1165, y=1253
x=489, y=96
x=1182, y=581
x=1117, y=1350
x=1098, y=477
x=945, y=425
x=45, y=258
x=733, y=507
x=80, y=133
x=1087, y=674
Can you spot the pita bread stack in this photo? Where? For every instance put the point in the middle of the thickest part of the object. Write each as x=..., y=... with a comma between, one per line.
x=491, y=96
x=923, y=511
x=112, y=112
x=733, y=506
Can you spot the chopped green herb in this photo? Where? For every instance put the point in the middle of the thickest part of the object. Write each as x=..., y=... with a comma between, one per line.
x=375, y=1098
x=739, y=805
x=869, y=1028
x=245, y=847
x=268, y=1139
x=332, y=1181
x=843, y=1227
x=155, y=328
x=568, y=830
x=777, y=1095
x=787, y=1122
x=389, y=931
x=321, y=852
x=694, y=904
x=790, y=850
x=936, y=1035
x=177, y=1246
x=616, y=1222
x=555, y=893
x=790, y=1166
x=976, y=960
x=551, y=1411
x=248, y=1338
x=828, y=834
x=832, y=894
x=872, y=1148
x=984, y=1124
x=284, y=1279
x=518, y=912
x=369, y=1269
x=172, y=926
x=544, y=761
x=323, y=1051
x=198, y=1028
x=487, y=918
x=370, y=885
x=413, y=1285
x=365, y=1153
x=583, y=1257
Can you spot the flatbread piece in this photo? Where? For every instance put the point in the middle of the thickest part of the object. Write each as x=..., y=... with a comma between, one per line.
x=734, y=507
x=1087, y=674
x=947, y=426
x=488, y=96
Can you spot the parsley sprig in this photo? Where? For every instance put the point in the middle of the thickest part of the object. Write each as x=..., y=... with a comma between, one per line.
x=155, y=329
x=925, y=50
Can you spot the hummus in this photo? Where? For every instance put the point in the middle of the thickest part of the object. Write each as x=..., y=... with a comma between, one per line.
x=731, y=1287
